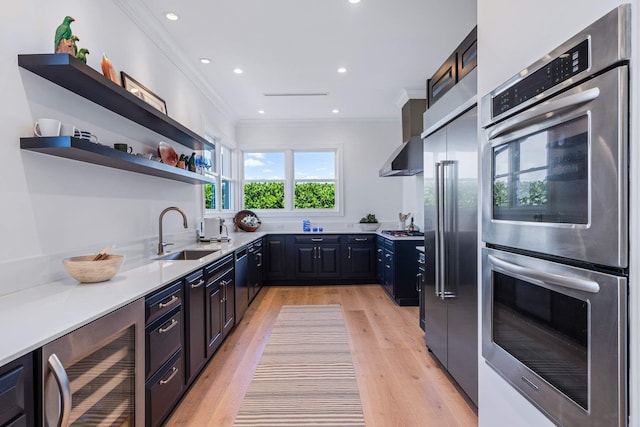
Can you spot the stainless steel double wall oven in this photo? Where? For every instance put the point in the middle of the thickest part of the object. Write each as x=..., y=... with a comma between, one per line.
x=555, y=224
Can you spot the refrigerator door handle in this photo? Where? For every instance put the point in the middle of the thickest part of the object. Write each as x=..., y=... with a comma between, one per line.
x=448, y=249
x=439, y=235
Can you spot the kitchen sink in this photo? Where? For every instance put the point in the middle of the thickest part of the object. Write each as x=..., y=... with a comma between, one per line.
x=186, y=255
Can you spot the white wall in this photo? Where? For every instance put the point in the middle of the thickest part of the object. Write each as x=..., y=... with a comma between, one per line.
x=54, y=207
x=512, y=35
x=364, y=145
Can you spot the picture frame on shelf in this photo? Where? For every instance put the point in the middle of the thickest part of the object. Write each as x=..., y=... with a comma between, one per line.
x=141, y=91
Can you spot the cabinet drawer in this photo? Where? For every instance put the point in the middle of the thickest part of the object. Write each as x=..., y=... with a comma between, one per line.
x=317, y=239
x=195, y=280
x=163, y=338
x=218, y=266
x=163, y=390
x=388, y=245
x=365, y=239
x=18, y=422
x=16, y=392
x=163, y=301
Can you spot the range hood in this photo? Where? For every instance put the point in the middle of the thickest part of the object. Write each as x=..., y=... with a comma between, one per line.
x=407, y=159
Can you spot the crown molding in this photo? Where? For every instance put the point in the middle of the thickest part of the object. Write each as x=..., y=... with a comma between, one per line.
x=410, y=93
x=142, y=17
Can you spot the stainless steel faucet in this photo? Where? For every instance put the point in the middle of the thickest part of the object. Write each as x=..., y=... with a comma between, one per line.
x=162, y=244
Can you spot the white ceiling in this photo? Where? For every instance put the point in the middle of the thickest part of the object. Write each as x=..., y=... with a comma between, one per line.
x=389, y=47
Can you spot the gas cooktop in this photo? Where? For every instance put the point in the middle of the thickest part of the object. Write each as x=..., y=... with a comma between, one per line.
x=402, y=233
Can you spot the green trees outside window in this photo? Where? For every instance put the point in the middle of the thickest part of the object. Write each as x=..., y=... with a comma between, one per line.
x=315, y=195
x=264, y=195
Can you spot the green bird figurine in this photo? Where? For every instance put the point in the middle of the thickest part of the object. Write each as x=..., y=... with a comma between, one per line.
x=63, y=31
x=82, y=54
x=74, y=39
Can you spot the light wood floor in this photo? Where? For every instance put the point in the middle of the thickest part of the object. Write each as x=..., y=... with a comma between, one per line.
x=400, y=384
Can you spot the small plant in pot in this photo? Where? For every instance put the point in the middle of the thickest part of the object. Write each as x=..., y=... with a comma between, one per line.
x=369, y=223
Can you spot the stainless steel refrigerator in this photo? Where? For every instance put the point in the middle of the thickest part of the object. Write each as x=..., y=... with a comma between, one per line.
x=451, y=232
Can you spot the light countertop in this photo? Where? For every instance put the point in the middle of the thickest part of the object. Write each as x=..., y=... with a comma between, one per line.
x=41, y=314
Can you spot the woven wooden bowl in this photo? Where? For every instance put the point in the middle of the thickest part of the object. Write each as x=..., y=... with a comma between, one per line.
x=85, y=270
x=246, y=220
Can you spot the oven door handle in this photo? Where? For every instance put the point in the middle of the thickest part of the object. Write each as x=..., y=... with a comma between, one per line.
x=543, y=112
x=543, y=276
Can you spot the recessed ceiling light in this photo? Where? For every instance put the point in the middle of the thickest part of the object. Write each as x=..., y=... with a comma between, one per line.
x=260, y=111
x=173, y=17
x=342, y=70
x=354, y=1
x=335, y=111
x=205, y=60
x=238, y=70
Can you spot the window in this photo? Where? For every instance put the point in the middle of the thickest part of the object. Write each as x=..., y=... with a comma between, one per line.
x=315, y=180
x=290, y=180
x=218, y=195
x=264, y=183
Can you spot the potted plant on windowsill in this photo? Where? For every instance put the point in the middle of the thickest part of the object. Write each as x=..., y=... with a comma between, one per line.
x=369, y=223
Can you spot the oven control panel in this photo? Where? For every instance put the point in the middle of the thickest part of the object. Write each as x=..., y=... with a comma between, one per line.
x=562, y=68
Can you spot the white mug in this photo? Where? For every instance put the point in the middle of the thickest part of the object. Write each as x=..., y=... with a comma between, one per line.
x=47, y=127
x=67, y=130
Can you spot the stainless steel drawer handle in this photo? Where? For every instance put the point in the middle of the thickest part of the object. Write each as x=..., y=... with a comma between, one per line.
x=317, y=240
x=168, y=303
x=174, y=322
x=64, y=386
x=197, y=285
x=361, y=239
x=174, y=372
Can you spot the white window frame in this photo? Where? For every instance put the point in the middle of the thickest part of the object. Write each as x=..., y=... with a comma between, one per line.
x=289, y=183
x=216, y=174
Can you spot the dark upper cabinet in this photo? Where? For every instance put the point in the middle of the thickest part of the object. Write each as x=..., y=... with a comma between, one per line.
x=443, y=80
x=17, y=393
x=467, y=54
x=463, y=59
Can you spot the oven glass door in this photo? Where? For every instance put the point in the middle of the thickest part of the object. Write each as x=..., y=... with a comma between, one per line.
x=557, y=333
x=557, y=174
x=545, y=330
x=543, y=176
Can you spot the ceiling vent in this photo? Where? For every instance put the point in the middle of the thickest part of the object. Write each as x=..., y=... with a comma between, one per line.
x=298, y=94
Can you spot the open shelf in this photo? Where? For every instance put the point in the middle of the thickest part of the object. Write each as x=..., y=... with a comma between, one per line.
x=72, y=74
x=85, y=151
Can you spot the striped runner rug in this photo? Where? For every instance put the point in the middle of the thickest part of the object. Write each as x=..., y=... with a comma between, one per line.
x=305, y=376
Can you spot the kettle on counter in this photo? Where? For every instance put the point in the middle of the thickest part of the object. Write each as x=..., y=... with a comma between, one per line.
x=412, y=226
